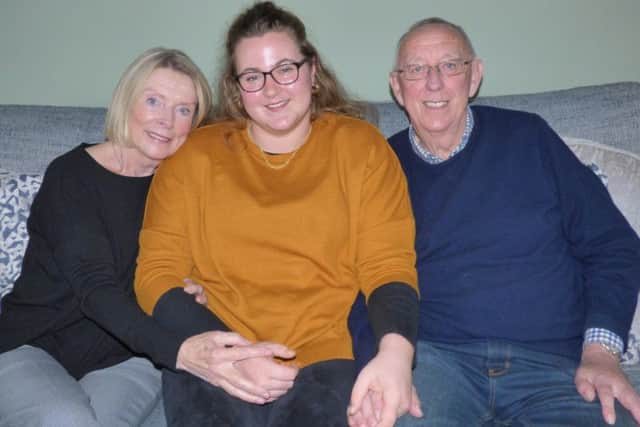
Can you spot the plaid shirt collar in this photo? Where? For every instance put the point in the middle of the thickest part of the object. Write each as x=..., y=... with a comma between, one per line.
x=431, y=158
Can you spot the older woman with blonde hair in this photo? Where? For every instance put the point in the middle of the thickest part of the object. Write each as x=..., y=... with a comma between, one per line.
x=76, y=350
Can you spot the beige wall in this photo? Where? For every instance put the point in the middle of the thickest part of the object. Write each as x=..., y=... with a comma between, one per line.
x=71, y=52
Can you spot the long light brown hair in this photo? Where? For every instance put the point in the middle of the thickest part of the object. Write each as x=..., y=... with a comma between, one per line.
x=262, y=18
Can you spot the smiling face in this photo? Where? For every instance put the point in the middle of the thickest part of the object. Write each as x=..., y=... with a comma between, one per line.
x=436, y=105
x=279, y=115
x=161, y=116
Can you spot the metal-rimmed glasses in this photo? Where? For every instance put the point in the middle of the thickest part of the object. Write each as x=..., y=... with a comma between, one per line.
x=283, y=74
x=449, y=68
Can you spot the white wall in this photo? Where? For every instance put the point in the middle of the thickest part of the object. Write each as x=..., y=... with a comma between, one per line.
x=71, y=52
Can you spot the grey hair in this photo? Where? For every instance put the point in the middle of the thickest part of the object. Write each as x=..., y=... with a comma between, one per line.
x=435, y=21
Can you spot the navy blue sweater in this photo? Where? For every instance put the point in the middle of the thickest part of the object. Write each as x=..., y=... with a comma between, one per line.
x=516, y=240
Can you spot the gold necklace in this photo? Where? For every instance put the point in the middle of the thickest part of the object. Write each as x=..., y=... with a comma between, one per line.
x=281, y=165
x=265, y=155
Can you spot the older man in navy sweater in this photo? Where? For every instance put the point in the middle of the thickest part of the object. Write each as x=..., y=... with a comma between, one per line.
x=528, y=273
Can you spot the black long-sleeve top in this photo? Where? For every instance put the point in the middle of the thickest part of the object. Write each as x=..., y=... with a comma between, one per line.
x=74, y=297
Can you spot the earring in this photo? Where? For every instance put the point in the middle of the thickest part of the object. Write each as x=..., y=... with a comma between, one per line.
x=315, y=88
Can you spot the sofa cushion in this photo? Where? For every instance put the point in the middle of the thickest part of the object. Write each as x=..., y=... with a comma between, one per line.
x=16, y=194
x=620, y=170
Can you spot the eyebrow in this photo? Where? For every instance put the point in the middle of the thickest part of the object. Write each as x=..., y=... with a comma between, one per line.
x=148, y=90
x=277, y=64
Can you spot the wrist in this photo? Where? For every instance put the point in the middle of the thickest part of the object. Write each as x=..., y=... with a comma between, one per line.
x=601, y=348
x=397, y=344
x=606, y=340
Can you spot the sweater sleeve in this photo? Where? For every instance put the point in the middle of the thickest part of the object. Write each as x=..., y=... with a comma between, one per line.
x=386, y=229
x=393, y=308
x=82, y=250
x=165, y=255
x=601, y=239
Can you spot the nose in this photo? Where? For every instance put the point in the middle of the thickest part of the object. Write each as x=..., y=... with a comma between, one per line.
x=271, y=87
x=166, y=116
x=434, y=79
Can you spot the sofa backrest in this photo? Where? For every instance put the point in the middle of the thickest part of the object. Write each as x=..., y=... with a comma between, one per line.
x=31, y=136
x=607, y=114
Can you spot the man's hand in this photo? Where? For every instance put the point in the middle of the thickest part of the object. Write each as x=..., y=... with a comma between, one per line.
x=383, y=391
x=599, y=374
x=212, y=356
x=192, y=288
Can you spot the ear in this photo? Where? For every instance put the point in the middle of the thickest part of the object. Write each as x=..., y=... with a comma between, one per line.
x=477, y=69
x=314, y=72
x=394, y=83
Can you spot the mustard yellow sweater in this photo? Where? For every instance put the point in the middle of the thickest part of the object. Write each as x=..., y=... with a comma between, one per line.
x=280, y=253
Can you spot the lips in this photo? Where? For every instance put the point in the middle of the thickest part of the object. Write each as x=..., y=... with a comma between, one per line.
x=275, y=106
x=435, y=104
x=157, y=137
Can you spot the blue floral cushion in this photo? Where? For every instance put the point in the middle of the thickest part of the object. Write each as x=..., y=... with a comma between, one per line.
x=16, y=194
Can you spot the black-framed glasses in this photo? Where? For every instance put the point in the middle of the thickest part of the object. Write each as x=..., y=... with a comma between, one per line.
x=449, y=68
x=283, y=74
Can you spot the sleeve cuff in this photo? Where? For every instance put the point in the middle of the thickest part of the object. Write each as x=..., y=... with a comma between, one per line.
x=605, y=337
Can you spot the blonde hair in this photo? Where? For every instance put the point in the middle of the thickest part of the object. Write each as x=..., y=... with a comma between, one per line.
x=131, y=85
x=262, y=18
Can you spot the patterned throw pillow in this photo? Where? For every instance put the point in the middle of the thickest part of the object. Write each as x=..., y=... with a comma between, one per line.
x=620, y=170
x=16, y=194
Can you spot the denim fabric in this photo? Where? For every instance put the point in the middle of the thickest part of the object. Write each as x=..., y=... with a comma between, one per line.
x=499, y=384
x=35, y=390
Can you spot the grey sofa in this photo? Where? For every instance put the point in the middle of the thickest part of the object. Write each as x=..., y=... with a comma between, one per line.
x=601, y=123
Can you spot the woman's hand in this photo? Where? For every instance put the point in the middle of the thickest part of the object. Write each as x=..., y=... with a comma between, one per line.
x=383, y=391
x=266, y=373
x=213, y=356
x=192, y=288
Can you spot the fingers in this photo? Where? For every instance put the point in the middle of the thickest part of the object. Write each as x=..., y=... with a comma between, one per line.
x=268, y=373
x=220, y=338
x=369, y=409
x=389, y=412
x=277, y=388
x=278, y=350
x=366, y=416
x=254, y=376
x=242, y=352
x=192, y=288
x=415, y=407
x=358, y=393
x=245, y=390
x=607, y=402
x=377, y=404
x=631, y=401
x=586, y=389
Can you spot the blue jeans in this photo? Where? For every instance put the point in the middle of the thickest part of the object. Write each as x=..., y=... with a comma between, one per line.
x=499, y=384
x=35, y=390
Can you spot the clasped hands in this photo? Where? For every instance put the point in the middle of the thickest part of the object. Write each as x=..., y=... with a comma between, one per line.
x=382, y=392
x=243, y=369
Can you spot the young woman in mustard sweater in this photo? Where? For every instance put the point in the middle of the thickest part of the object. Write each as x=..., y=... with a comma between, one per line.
x=283, y=210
